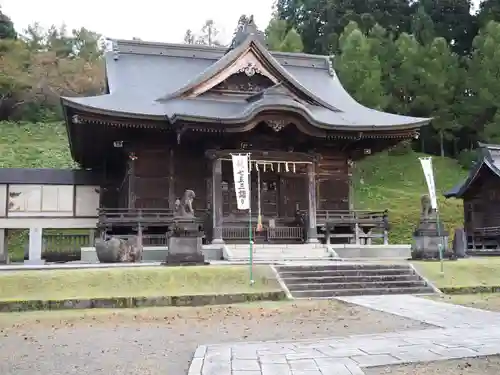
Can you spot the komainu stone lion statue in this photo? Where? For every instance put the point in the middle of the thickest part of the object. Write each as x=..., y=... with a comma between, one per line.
x=118, y=250
x=426, y=206
x=184, y=207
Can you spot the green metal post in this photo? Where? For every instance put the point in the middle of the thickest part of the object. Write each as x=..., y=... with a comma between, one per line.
x=250, y=218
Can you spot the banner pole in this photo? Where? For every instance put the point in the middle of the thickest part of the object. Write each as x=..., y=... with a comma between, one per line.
x=250, y=238
x=432, y=191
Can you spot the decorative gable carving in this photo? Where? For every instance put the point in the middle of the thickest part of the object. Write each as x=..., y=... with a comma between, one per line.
x=247, y=68
x=243, y=82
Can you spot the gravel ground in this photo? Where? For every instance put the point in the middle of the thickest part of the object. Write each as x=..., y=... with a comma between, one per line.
x=471, y=366
x=162, y=340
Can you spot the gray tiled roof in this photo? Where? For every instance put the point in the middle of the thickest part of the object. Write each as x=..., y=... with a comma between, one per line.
x=488, y=157
x=145, y=79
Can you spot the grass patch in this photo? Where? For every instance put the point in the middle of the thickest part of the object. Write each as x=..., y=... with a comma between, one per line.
x=486, y=301
x=132, y=282
x=468, y=273
x=382, y=181
x=396, y=183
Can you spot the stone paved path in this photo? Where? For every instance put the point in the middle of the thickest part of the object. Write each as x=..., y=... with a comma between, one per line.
x=463, y=332
x=431, y=312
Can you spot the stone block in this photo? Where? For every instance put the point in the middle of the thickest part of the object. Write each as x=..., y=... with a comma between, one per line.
x=375, y=360
x=303, y=364
x=184, y=250
x=275, y=369
x=195, y=366
x=245, y=365
x=216, y=368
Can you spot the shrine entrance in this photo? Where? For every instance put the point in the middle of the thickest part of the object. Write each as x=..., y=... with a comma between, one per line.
x=278, y=191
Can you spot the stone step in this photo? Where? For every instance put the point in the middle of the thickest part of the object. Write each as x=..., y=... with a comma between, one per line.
x=345, y=266
x=349, y=279
x=346, y=272
x=363, y=285
x=331, y=293
x=275, y=259
x=283, y=251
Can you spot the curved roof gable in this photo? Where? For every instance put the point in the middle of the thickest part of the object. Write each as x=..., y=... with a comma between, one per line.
x=249, y=57
x=489, y=158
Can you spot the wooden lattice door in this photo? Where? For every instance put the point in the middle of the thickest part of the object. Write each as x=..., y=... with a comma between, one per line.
x=292, y=195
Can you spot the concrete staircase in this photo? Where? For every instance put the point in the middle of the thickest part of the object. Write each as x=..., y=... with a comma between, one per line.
x=351, y=279
x=269, y=253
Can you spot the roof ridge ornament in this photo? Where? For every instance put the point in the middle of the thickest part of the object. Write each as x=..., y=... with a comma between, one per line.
x=246, y=29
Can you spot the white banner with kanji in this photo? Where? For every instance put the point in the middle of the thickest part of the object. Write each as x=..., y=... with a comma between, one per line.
x=241, y=185
x=429, y=178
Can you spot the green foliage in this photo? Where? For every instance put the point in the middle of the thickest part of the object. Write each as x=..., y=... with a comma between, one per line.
x=280, y=37
x=467, y=158
x=359, y=68
x=7, y=30
x=38, y=67
x=40, y=145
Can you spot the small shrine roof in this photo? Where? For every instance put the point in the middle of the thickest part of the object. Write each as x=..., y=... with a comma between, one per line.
x=489, y=158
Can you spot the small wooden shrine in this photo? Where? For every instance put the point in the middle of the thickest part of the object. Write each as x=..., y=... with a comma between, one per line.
x=173, y=115
x=480, y=193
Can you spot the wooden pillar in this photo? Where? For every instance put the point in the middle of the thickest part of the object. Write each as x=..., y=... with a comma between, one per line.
x=217, y=201
x=350, y=170
x=171, y=180
x=312, y=235
x=131, y=181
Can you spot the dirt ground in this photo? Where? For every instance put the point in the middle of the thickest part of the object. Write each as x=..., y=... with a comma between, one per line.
x=472, y=366
x=162, y=340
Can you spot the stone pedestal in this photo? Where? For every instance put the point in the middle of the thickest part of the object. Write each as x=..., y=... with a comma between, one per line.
x=185, y=244
x=4, y=254
x=35, y=247
x=428, y=236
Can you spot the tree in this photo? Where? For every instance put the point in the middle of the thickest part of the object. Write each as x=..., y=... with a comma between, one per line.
x=189, y=37
x=7, y=30
x=439, y=79
x=43, y=64
x=280, y=38
x=453, y=20
x=489, y=10
x=209, y=34
x=405, y=72
x=87, y=44
x=422, y=26
x=484, y=81
x=359, y=69
x=320, y=22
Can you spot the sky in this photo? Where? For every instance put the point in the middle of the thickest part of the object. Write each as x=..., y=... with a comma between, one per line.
x=149, y=20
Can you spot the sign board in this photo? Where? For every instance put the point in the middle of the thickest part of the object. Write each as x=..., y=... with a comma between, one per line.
x=241, y=184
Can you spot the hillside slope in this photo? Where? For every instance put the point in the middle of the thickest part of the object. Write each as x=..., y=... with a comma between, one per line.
x=396, y=183
x=381, y=181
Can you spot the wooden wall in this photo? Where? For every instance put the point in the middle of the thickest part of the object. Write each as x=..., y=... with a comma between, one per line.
x=332, y=181
x=162, y=175
x=482, y=202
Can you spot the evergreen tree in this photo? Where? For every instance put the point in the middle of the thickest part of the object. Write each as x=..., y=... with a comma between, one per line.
x=359, y=69
x=7, y=30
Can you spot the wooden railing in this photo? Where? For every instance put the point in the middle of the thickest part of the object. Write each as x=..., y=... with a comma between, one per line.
x=356, y=226
x=62, y=247
x=361, y=217
x=266, y=234
x=483, y=241
x=127, y=215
